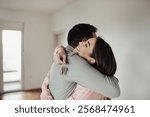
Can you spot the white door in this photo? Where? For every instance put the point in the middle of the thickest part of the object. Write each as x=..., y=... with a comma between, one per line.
x=9, y=57
x=11, y=60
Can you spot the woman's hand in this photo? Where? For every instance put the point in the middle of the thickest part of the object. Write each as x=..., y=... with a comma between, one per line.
x=60, y=55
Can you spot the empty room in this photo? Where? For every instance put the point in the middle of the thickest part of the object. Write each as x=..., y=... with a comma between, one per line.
x=32, y=31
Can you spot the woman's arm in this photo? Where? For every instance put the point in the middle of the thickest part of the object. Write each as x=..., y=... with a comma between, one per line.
x=46, y=94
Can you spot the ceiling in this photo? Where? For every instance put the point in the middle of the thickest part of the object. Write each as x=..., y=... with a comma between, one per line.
x=42, y=6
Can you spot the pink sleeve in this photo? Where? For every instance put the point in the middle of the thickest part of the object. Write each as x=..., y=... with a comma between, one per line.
x=82, y=93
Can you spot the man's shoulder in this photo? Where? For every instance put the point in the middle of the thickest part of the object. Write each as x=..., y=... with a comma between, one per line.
x=77, y=60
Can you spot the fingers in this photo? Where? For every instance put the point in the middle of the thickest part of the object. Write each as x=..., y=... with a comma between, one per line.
x=64, y=59
x=60, y=58
x=57, y=59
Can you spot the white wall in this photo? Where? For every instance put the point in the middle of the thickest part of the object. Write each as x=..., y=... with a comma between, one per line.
x=1, y=66
x=125, y=25
x=37, y=45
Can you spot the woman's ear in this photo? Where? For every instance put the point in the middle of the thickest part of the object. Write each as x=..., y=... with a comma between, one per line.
x=91, y=60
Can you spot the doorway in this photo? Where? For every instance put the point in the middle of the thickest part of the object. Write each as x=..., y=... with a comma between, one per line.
x=11, y=59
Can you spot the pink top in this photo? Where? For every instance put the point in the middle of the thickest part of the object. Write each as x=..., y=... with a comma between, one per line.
x=82, y=93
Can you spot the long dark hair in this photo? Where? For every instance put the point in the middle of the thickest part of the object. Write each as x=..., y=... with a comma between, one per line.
x=104, y=57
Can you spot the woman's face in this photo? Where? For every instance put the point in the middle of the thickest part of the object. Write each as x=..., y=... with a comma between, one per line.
x=85, y=48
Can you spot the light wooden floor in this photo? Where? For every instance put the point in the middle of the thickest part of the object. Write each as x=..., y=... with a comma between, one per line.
x=22, y=95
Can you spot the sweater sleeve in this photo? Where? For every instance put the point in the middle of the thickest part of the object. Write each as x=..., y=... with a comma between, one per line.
x=80, y=71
